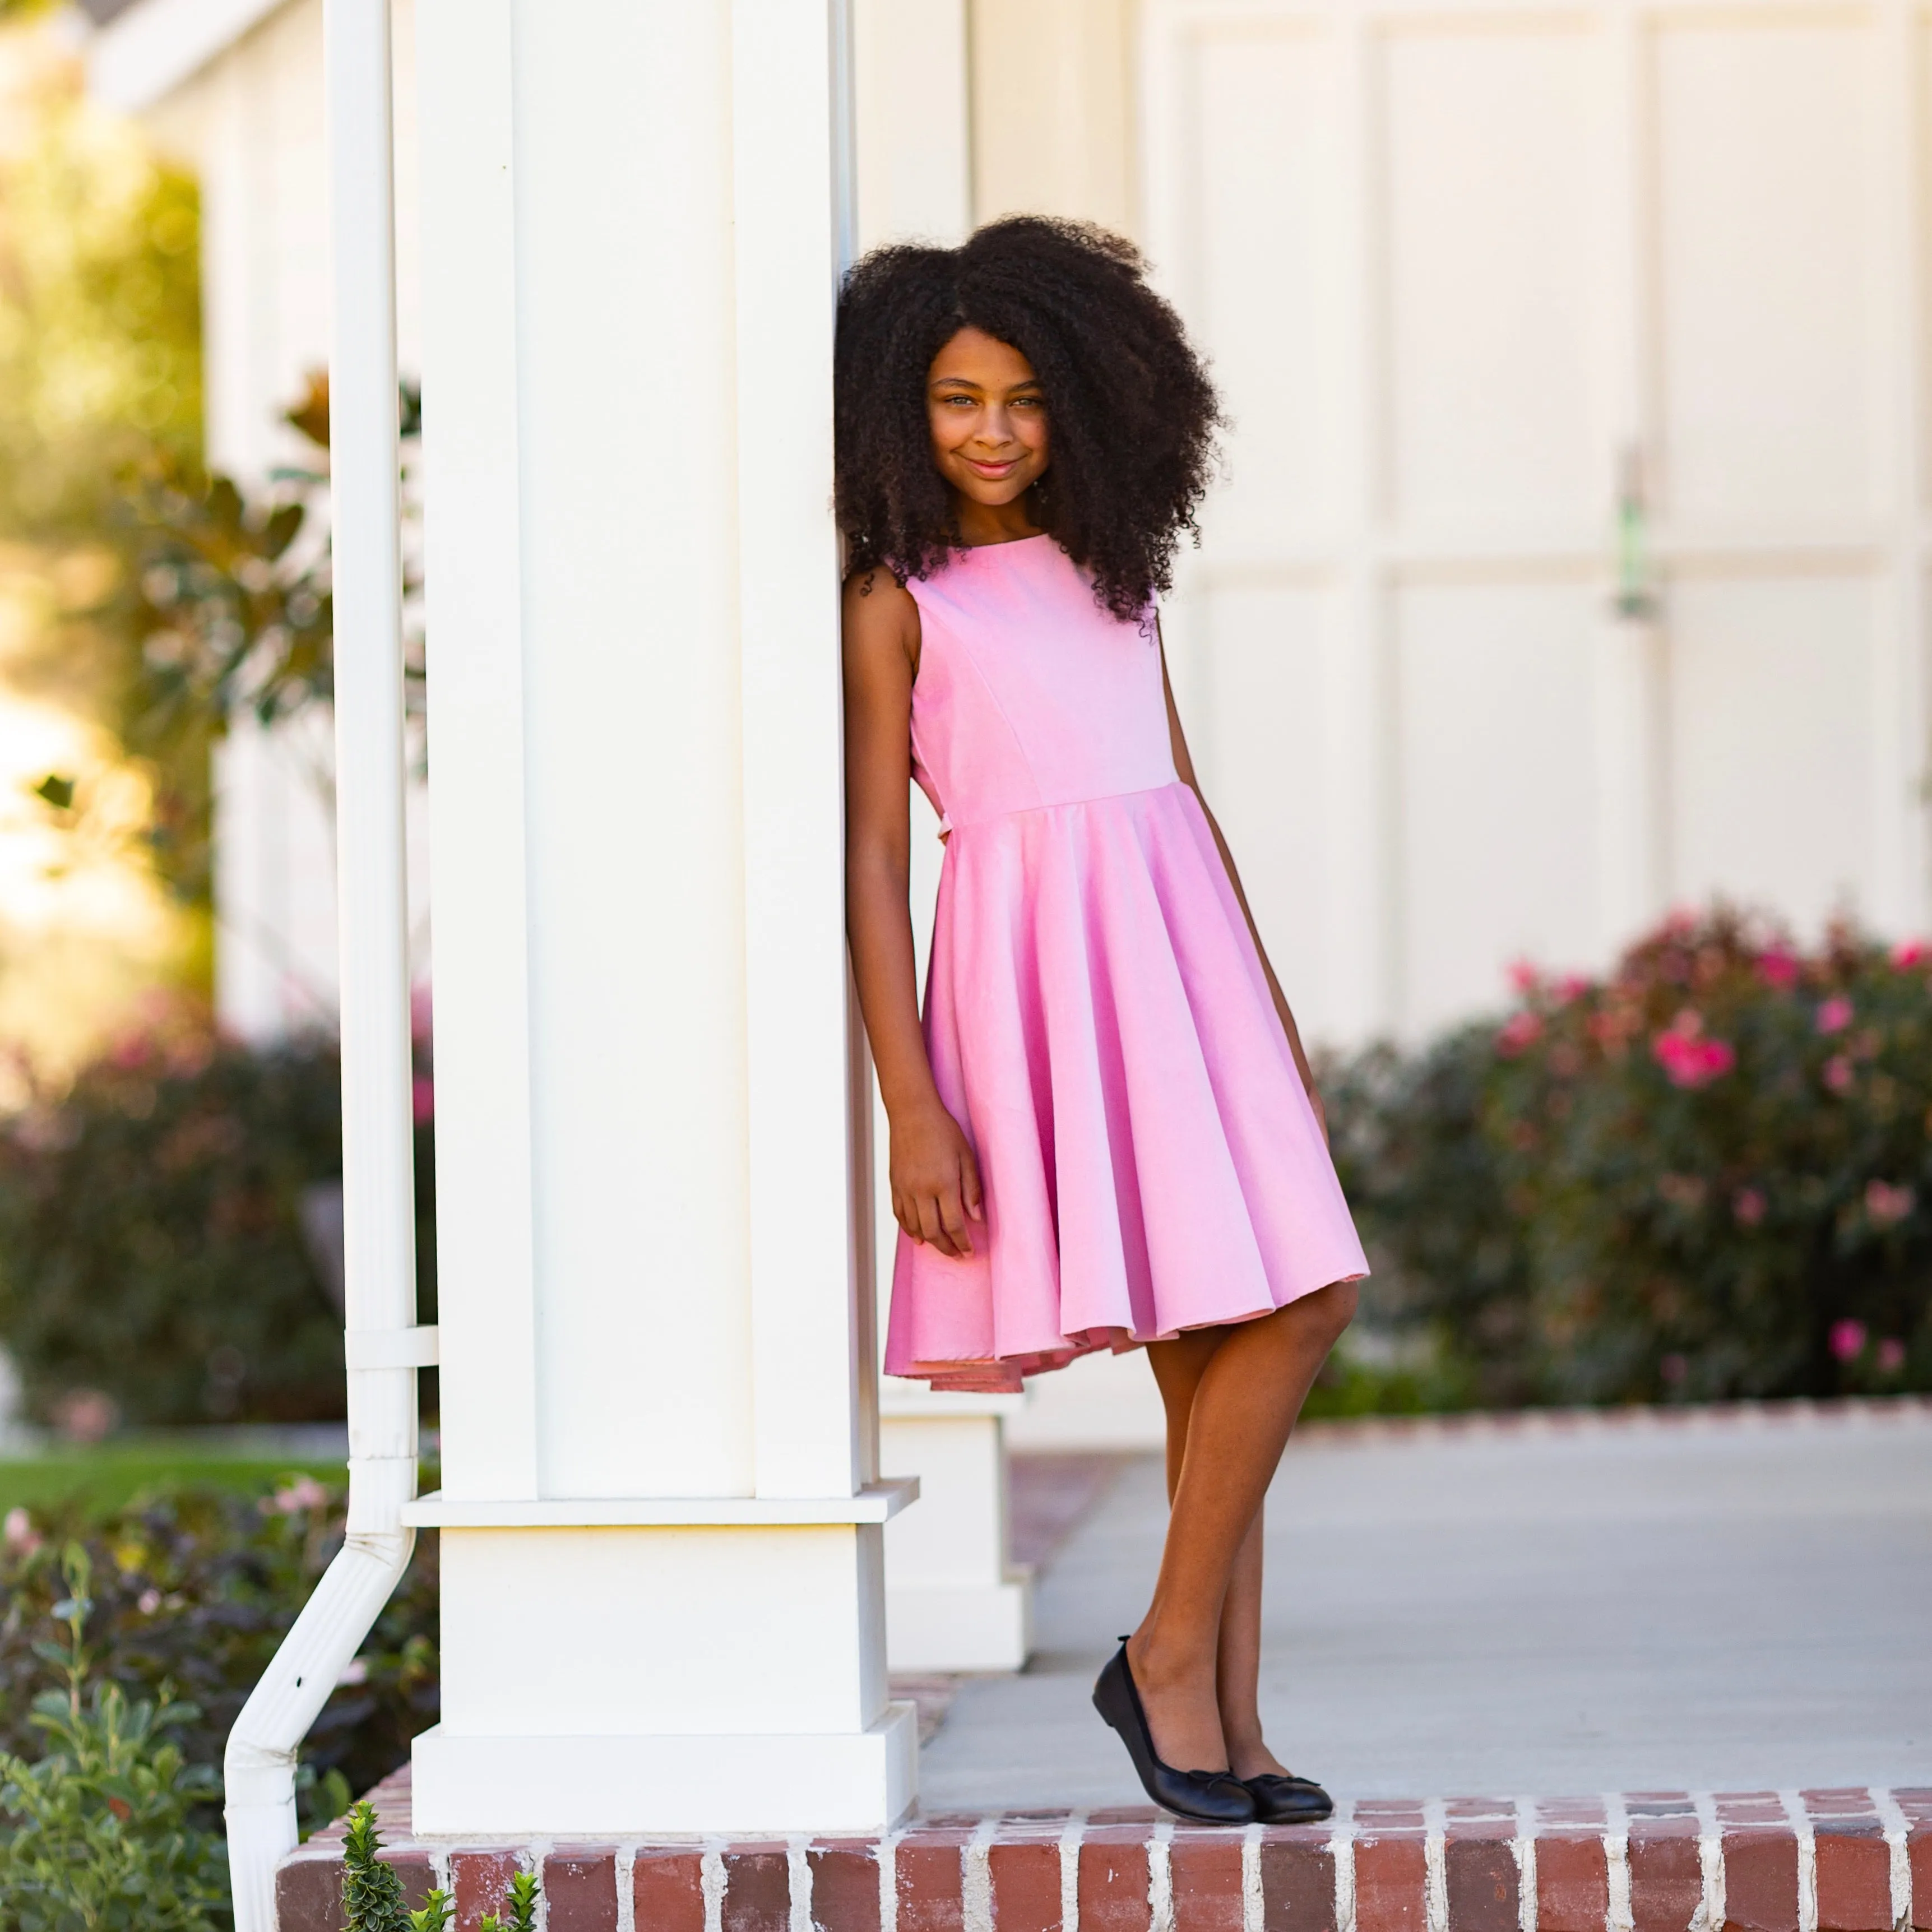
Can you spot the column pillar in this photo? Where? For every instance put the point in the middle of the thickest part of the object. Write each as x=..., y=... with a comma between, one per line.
x=661, y=1516
x=954, y=1601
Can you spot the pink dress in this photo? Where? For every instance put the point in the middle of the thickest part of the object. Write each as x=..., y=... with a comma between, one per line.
x=1095, y=1013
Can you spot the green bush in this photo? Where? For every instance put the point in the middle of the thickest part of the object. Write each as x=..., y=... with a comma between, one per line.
x=1707, y=1175
x=151, y=1245
x=195, y=1589
x=100, y=1833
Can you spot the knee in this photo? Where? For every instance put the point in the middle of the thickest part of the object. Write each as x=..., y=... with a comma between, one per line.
x=1334, y=1308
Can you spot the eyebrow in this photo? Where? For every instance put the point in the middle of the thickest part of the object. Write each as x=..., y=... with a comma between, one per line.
x=967, y=382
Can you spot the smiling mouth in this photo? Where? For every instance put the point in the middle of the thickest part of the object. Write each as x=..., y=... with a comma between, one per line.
x=992, y=470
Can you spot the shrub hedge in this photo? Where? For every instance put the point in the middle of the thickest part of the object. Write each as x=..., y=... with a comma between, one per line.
x=194, y=1590
x=151, y=1242
x=1708, y=1175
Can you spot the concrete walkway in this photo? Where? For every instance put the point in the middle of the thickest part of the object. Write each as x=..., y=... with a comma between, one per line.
x=1734, y=1600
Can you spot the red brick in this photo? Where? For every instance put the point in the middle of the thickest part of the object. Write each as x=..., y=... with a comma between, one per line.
x=481, y=1882
x=844, y=1888
x=758, y=1889
x=1025, y=1884
x=1126, y=1814
x=1854, y=1876
x=1205, y=1870
x=579, y=1885
x=927, y=1878
x=1573, y=1882
x=1918, y=1858
x=308, y=1890
x=1761, y=1881
x=1112, y=1876
x=667, y=1890
x=1391, y=1883
x=1666, y=1875
x=1483, y=1883
x=1297, y=1879
x=308, y=1895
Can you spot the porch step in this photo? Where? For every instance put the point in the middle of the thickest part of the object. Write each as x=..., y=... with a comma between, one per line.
x=1849, y=1860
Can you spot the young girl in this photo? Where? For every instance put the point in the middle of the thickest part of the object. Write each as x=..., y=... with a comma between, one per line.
x=1105, y=1135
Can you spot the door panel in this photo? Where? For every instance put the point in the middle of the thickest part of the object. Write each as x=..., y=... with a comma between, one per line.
x=1259, y=698
x=1263, y=286
x=1767, y=199
x=1494, y=238
x=1495, y=690
x=1771, y=732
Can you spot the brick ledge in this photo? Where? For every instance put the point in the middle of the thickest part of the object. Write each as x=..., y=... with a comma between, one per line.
x=1855, y=1859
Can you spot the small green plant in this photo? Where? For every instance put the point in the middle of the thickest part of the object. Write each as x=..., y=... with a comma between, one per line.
x=98, y=1835
x=437, y=1911
x=522, y=1903
x=372, y=1894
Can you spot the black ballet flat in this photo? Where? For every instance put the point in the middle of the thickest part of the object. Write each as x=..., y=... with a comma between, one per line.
x=1280, y=1799
x=1211, y=1797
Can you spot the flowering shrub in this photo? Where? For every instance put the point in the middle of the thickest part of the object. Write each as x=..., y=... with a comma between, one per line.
x=153, y=1260
x=195, y=1589
x=1707, y=1175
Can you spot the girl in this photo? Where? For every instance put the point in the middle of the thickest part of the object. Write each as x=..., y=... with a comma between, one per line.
x=1106, y=1134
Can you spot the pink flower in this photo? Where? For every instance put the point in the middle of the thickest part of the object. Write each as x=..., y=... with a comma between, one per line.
x=1838, y=1074
x=1572, y=986
x=1847, y=1338
x=1748, y=1205
x=1905, y=954
x=1887, y=1204
x=1777, y=966
x=17, y=1533
x=304, y=1493
x=1520, y=1030
x=1687, y=1058
x=1890, y=1356
x=1835, y=1015
x=1523, y=976
x=148, y=1601
x=422, y=1100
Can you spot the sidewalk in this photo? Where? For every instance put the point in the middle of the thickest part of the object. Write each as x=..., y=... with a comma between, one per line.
x=1730, y=1600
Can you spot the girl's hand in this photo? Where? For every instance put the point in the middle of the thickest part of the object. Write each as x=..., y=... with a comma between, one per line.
x=935, y=1181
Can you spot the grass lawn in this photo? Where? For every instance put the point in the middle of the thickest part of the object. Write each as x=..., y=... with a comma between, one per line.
x=105, y=1479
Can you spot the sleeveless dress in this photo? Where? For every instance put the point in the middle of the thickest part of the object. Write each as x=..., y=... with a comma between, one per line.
x=1095, y=1013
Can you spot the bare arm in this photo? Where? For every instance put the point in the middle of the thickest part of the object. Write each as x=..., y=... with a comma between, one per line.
x=1183, y=765
x=935, y=1179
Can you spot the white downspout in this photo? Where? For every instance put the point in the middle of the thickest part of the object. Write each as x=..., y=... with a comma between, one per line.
x=383, y=1347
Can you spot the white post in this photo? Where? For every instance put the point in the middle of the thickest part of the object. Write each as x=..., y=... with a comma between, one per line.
x=953, y=1601
x=662, y=1522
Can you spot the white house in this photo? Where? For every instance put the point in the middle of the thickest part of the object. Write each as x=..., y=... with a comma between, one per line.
x=1571, y=564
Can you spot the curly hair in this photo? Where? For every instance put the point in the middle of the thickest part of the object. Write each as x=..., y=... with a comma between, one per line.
x=1131, y=413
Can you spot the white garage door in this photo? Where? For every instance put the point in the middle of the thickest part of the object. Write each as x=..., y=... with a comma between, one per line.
x=1571, y=561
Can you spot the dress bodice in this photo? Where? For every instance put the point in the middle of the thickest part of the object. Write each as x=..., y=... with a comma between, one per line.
x=1029, y=694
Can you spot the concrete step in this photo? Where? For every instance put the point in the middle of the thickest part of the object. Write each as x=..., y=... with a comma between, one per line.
x=1851, y=1860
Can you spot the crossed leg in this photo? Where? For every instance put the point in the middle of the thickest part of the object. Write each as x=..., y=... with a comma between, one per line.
x=1231, y=1395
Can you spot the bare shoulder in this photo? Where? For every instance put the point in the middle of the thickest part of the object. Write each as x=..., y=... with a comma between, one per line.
x=880, y=617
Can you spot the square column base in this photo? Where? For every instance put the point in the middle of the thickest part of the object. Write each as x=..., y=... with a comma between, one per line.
x=619, y=1787
x=960, y=1626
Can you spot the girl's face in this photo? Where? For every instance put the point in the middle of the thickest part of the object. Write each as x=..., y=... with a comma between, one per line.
x=988, y=419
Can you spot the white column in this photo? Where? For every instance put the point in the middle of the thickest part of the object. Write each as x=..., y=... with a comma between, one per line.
x=662, y=1524
x=953, y=1601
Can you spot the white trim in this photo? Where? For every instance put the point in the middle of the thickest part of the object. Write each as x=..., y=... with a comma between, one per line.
x=877, y=1502
x=150, y=50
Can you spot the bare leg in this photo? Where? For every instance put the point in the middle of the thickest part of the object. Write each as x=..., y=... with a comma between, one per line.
x=1177, y=1367
x=1246, y=1397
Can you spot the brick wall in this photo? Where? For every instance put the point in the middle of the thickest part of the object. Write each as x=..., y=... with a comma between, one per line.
x=1855, y=1860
